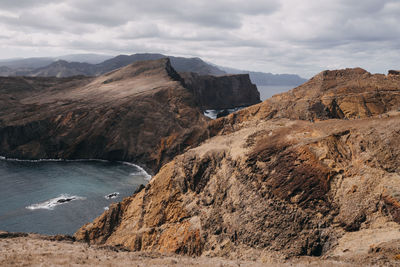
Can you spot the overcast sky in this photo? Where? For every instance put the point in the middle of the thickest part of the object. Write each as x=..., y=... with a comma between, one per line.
x=279, y=36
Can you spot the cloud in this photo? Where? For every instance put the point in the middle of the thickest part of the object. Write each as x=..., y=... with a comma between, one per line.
x=281, y=36
x=12, y=4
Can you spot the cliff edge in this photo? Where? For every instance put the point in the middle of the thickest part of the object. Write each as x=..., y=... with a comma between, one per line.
x=281, y=183
x=122, y=115
x=222, y=92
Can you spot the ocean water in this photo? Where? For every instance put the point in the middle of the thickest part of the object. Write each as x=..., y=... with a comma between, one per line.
x=58, y=197
x=212, y=113
x=270, y=90
x=265, y=93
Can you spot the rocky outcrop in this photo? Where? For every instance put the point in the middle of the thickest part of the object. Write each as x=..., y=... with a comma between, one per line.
x=222, y=92
x=122, y=115
x=288, y=187
x=268, y=183
x=394, y=72
x=338, y=94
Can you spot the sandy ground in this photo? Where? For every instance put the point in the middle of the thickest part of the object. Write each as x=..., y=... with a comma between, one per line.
x=38, y=250
x=35, y=250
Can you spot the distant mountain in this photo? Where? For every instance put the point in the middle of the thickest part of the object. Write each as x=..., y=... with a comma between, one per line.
x=6, y=70
x=94, y=65
x=27, y=63
x=85, y=58
x=181, y=64
x=265, y=79
x=63, y=68
x=39, y=62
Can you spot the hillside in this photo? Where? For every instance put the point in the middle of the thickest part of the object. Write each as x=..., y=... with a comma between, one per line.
x=279, y=179
x=130, y=114
x=339, y=94
x=122, y=115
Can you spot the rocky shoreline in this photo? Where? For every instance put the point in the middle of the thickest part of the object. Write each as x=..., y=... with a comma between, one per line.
x=305, y=177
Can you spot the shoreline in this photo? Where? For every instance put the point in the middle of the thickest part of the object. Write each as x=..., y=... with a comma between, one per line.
x=142, y=171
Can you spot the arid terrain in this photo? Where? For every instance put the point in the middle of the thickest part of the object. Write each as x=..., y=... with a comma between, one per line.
x=37, y=250
x=306, y=177
x=282, y=178
x=125, y=115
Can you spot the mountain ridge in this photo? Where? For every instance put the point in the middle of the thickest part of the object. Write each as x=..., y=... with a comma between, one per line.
x=88, y=117
x=47, y=67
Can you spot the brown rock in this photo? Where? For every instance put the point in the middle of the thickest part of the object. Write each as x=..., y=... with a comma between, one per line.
x=394, y=72
x=269, y=182
x=339, y=94
x=122, y=115
x=222, y=92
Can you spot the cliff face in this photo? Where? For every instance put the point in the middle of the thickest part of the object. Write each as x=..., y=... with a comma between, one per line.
x=341, y=94
x=293, y=187
x=122, y=115
x=268, y=185
x=222, y=92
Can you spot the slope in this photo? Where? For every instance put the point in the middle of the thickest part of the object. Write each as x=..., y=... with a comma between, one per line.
x=122, y=115
x=277, y=182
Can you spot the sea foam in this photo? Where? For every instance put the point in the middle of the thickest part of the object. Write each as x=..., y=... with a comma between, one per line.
x=140, y=172
x=52, y=203
x=112, y=195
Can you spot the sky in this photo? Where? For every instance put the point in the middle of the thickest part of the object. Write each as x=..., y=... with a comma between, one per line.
x=278, y=36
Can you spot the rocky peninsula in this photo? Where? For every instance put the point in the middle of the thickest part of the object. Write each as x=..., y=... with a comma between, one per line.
x=306, y=177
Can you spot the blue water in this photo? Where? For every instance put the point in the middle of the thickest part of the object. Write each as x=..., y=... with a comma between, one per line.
x=269, y=90
x=266, y=92
x=212, y=113
x=32, y=193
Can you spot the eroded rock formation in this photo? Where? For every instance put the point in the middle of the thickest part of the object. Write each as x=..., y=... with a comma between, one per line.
x=122, y=115
x=222, y=92
x=281, y=177
x=339, y=94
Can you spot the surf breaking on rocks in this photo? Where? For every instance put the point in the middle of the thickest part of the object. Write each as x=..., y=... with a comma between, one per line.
x=52, y=203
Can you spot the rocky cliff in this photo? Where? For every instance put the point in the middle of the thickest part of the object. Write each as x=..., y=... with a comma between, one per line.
x=122, y=115
x=339, y=94
x=222, y=92
x=295, y=180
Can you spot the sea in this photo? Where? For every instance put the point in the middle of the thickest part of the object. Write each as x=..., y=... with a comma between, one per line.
x=265, y=93
x=58, y=196
x=270, y=90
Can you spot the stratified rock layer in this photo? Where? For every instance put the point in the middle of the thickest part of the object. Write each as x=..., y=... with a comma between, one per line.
x=122, y=115
x=338, y=94
x=268, y=182
x=222, y=92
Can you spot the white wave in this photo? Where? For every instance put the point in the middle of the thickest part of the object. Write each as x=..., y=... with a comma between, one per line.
x=140, y=172
x=53, y=160
x=106, y=208
x=31, y=160
x=51, y=203
x=112, y=195
x=210, y=113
